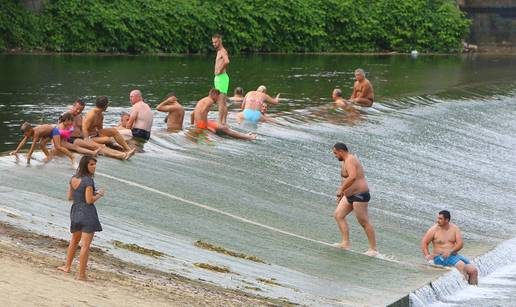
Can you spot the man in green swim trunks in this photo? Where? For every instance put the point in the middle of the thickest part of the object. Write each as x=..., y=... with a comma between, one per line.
x=221, y=80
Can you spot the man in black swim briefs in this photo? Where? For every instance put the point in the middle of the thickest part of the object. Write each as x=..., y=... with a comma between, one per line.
x=352, y=194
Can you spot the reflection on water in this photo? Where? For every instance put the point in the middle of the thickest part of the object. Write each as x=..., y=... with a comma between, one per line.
x=440, y=136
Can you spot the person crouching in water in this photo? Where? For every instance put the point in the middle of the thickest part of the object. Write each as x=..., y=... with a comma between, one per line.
x=84, y=221
x=41, y=134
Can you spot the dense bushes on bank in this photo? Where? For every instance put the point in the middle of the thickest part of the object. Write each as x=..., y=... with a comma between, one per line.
x=186, y=26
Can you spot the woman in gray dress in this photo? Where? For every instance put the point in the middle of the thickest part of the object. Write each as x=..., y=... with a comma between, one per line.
x=84, y=219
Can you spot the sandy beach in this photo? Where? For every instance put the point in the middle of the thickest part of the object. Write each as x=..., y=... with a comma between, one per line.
x=28, y=277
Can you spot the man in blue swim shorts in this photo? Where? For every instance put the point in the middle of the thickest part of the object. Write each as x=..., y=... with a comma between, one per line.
x=221, y=80
x=446, y=242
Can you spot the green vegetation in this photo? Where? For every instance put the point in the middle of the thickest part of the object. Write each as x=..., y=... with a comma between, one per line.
x=186, y=26
x=224, y=251
x=210, y=267
x=137, y=249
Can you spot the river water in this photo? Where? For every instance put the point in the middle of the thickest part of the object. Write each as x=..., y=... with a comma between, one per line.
x=441, y=137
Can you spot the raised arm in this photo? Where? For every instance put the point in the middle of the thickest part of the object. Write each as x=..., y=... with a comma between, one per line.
x=427, y=238
x=167, y=105
x=272, y=100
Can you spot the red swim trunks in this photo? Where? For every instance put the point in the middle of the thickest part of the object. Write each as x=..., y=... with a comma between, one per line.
x=211, y=125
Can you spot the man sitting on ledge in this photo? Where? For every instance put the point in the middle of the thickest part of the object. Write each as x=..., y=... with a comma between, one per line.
x=447, y=241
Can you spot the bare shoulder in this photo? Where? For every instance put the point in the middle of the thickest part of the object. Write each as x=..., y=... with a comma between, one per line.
x=431, y=231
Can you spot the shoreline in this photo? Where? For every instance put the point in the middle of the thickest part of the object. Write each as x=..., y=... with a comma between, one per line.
x=29, y=261
x=164, y=54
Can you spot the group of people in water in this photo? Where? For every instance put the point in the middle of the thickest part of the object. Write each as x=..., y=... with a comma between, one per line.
x=88, y=136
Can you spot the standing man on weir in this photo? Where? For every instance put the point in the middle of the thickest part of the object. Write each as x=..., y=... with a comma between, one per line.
x=352, y=195
x=221, y=80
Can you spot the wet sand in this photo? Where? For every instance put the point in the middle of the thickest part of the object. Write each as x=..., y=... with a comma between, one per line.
x=28, y=277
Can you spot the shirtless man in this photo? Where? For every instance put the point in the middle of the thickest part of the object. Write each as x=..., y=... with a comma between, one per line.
x=447, y=241
x=199, y=117
x=175, y=110
x=141, y=116
x=221, y=79
x=352, y=194
x=253, y=102
x=77, y=139
x=363, y=93
x=93, y=127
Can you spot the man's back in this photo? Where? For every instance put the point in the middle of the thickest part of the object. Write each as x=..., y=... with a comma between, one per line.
x=144, y=116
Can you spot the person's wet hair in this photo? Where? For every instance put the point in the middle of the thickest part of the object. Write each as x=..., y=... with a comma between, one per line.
x=341, y=146
x=262, y=89
x=337, y=92
x=214, y=91
x=445, y=214
x=25, y=127
x=101, y=102
x=81, y=101
x=239, y=91
x=216, y=35
x=171, y=94
x=82, y=170
x=124, y=114
x=360, y=71
x=66, y=116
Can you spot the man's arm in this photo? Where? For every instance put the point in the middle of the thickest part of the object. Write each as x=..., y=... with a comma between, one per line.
x=354, y=94
x=351, y=169
x=459, y=243
x=86, y=123
x=168, y=106
x=427, y=238
x=132, y=118
x=225, y=58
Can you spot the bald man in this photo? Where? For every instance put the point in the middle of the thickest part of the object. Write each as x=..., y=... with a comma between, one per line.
x=141, y=116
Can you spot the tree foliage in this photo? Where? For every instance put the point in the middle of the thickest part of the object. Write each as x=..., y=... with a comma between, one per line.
x=186, y=26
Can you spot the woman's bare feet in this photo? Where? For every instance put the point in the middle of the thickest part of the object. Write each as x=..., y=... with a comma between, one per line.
x=371, y=253
x=82, y=278
x=342, y=245
x=64, y=269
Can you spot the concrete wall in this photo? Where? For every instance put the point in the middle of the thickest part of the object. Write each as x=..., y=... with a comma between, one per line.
x=493, y=23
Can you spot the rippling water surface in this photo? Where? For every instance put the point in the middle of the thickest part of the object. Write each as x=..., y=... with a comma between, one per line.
x=442, y=136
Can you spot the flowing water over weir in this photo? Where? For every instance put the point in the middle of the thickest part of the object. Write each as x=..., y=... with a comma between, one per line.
x=441, y=137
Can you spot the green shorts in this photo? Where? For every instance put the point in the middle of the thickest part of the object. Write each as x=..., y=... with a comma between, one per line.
x=222, y=83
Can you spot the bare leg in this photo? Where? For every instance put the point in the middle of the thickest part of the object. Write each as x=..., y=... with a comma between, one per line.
x=79, y=149
x=363, y=219
x=57, y=144
x=44, y=149
x=87, y=144
x=112, y=132
x=70, y=254
x=363, y=102
x=472, y=274
x=223, y=109
x=102, y=139
x=236, y=134
x=108, y=152
x=342, y=210
x=86, y=239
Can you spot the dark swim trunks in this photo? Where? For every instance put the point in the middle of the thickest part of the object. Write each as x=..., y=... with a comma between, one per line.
x=361, y=197
x=140, y=133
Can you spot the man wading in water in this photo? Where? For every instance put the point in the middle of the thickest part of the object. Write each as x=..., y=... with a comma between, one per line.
x=353, y=194
x=221, y=80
